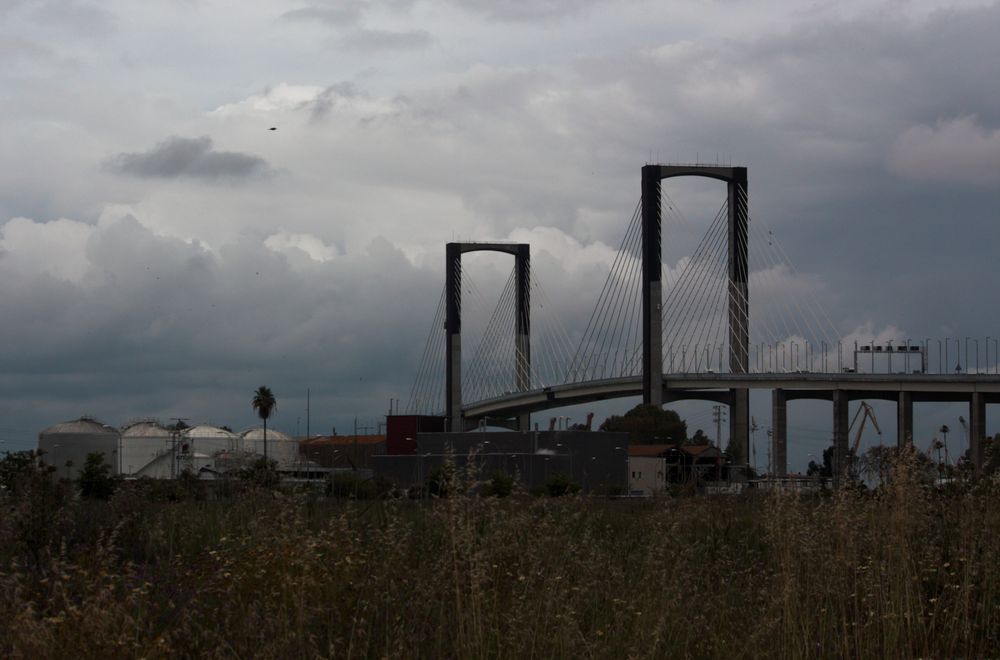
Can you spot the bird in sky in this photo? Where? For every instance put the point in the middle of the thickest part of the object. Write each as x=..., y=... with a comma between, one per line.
x=273, y=128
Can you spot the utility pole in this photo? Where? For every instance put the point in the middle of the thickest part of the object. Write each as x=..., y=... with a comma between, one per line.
x=307, y=413
x=718, y=416
x=770, y=468
x=753, y=441
x=175, y=435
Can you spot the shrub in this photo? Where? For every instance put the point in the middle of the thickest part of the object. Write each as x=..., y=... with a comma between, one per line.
x=262, y=472
x=500, y=484
x=442, y=481
x=559, y=484
x=96, y=480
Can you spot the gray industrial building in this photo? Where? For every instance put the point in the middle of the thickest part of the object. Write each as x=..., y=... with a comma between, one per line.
x=596, y=461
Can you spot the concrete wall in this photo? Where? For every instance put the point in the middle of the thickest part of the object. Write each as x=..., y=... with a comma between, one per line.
x=593, y=460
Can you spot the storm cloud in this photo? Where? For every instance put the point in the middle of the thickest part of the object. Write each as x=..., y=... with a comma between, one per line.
x=373, y=40
x=134, y=288
x=340, y=14
x=954, y=151
x=189, y=157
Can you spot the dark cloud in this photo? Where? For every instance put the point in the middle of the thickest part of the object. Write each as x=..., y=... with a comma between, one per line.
x=211, y=326
x=327, y=100
x=382, y=40
x=526, y=10
x=955, y=151
x=14, y=49
x=338, y=15
x=81, y=18
x=189, y=157
x=7, y=6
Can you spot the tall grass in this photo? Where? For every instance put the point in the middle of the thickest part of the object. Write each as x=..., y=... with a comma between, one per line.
x=907, y=571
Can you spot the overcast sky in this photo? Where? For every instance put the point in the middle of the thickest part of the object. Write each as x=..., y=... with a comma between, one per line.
x=163, y=253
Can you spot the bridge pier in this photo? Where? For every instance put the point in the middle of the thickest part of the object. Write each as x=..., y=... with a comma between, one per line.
x=977, y=430
x=904, y=419
x=739, y=425
x=779, y=434
x=840, y=427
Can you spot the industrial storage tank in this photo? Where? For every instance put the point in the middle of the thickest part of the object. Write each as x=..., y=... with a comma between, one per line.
x=65, y=445
x=281, y=447
x=147, y=450
x=208, y=440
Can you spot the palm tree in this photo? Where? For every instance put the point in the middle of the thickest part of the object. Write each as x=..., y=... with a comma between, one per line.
x=264, y=404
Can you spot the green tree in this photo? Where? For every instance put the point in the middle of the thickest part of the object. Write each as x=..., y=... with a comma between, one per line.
x=699, y=438
x=648, y=424
x=500, y=484
x=263, y=472
x=96, y=480
x=442, y=481
x=877, y=462
x=991, y=454
x=264, y=404
x=18, y=469
x=559, y=484
x=826, y=469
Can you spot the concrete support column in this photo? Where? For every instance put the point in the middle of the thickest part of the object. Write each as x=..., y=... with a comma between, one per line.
x=977, y=431
x=522, y=341
x=453, y=332
x=840, y=426
x=779, y=433
x=904, y=419
x=522, y=337
x=739, y=425
x=652, y=289
x=739, y=293
x=739, y=311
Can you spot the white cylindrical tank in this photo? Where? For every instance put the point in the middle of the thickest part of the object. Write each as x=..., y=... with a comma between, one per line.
x=147, y=450
x=208, y=440
x=65, y=445
x=281, y=447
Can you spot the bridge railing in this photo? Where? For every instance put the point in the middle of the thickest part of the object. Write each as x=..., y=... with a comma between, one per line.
x=949, y=355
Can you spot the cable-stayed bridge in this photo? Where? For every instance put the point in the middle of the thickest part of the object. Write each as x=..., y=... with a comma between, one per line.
x=689, y=335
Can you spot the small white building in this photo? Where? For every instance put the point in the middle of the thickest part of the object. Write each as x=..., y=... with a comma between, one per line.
x=647, y=475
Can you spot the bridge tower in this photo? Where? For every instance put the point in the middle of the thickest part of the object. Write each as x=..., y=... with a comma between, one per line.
x=652, y=288
x=453, y=324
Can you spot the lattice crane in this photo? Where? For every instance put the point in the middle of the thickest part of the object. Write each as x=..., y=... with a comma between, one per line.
x=866, y=412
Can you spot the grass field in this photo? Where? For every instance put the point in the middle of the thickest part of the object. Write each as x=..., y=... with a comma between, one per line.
x=159, y=571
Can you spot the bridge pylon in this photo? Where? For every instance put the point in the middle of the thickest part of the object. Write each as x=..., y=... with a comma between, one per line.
x=738, y=272
x=453, y=324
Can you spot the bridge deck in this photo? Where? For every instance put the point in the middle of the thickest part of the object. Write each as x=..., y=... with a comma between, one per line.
x=923, y=387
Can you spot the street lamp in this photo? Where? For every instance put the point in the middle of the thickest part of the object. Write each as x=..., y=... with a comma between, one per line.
x=944, y=432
